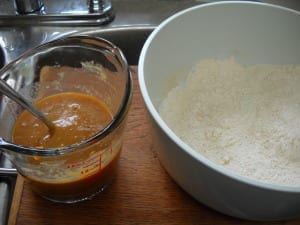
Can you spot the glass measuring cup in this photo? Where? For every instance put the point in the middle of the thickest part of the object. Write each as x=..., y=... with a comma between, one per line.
x=79, y=64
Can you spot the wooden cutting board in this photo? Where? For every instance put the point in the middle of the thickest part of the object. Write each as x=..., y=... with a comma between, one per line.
x=142, y=193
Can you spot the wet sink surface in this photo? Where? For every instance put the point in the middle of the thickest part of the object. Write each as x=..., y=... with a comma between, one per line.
x=129, y=39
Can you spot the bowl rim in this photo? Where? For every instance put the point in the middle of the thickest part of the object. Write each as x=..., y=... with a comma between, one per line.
x=165, y=128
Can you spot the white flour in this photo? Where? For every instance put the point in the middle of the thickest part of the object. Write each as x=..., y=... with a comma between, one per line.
x=246, y=119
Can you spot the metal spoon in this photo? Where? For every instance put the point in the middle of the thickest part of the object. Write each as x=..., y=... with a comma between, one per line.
x=15, y=96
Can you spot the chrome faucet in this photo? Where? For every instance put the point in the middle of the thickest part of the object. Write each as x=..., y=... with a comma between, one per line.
x=65, y=11
x=96, y=6
x=28, y=6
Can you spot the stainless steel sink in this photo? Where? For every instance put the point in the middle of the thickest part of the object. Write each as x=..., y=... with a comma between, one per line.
x=21, y=32
x=129, y=38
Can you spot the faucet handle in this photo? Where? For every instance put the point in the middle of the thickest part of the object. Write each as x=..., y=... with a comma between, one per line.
x=28, y=6
x=99, y=6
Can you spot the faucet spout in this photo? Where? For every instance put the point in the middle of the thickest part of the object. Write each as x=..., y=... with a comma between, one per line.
x=63, y=12
x=28, y=6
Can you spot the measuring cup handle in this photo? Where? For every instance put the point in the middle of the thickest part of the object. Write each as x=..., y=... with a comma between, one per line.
x=9, y=147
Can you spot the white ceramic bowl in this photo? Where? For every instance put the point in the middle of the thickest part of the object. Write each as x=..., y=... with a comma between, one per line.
x=251, y=32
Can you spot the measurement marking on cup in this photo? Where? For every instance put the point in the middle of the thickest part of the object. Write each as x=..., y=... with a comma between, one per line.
x=95, y=162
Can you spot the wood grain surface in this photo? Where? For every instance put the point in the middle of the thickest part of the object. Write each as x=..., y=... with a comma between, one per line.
x=142, y=193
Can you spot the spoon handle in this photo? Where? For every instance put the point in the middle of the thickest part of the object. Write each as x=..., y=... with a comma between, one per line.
x=15, y=96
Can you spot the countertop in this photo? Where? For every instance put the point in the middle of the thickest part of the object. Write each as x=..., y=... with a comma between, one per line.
x=142, y=193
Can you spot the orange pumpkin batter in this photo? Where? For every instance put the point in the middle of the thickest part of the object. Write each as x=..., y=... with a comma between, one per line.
x=76, y=117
